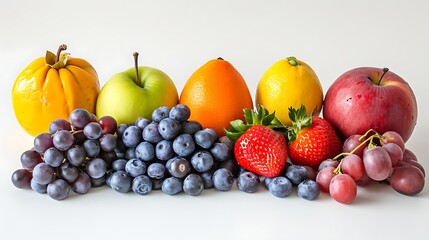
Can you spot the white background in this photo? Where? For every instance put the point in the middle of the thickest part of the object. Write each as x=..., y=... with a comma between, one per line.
x=178, y=37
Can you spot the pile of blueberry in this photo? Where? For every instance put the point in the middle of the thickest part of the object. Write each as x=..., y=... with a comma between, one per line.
x=172, y=154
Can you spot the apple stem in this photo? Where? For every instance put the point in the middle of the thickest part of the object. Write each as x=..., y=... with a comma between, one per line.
x=219, y=58
x=385, y=70
x=61, y=48
x=136, y=66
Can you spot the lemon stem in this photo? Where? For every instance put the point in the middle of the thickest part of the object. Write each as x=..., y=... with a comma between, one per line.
x=293, y=61
x=61, y=48
x=136, y=67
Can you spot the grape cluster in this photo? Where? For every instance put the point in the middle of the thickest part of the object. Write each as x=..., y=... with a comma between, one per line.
x=171, y=154
x=367, y=158
x=72, y=156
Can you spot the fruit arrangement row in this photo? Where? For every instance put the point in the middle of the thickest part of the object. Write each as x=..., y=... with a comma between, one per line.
x=137, y=134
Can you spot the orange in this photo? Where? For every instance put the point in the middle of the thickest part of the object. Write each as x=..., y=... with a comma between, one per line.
x=216, y=94
x=51, y=87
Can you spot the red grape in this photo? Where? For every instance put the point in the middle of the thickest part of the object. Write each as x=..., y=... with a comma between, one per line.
x=393, y=137
x=408, y=180
x=364, y=181
x=409, y=155
x=413, y=163
x=343, y=188
x=324, y=177
x=353, y=165
x=352, y=142
x=328, y=163
x=394, y=151
x=377, y=163
x=108, y=125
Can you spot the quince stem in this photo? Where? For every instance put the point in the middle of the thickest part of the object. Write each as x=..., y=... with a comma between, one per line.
x=136, y=66
x=61, y=48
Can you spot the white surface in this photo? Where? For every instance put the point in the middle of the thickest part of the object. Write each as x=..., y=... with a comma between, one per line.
x=178, y=37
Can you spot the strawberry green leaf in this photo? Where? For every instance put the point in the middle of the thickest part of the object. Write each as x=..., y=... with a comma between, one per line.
x=233, y=136
x=239, y=126
x=248, y=116
x=268, y=119
x=300, y=120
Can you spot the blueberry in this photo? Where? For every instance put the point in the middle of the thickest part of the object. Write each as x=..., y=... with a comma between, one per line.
x=221, y=151
x=208, y=179
x=184, y=145
x=169, y=128
x=135, y=167
x=142, y=185
x=178, y=167
x=267, y=182
x=205, y=138
x=120, y=181
x=164, y=150
x=248, y=182
x=132, y=136
x=180, y=113
x=160, y=113
x=222, y=179
x=130, y=153
x=172, y=186
x=231, y=165
x=119, y=165
x=156, y=170
x=308, y=189
x=202, y=161
x=142, y=122
x=156, y=183
x=193, y=184
x=121, y=129
x=191, y=127
x=227, y=141
x=151, y=134
x=296, y=174
x=145, y=151
x=280, y=187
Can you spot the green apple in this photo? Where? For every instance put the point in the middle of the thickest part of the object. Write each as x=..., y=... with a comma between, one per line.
x=136, y=92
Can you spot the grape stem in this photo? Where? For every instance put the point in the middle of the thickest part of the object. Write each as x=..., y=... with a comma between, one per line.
x=370, y=139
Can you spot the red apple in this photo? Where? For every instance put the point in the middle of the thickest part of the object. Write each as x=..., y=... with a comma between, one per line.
x=371, y=98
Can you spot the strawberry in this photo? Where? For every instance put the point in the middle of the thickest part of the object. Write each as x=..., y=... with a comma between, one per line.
x=311, y=139
x=258, y=148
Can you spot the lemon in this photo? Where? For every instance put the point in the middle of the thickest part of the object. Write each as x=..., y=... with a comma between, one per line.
x=289, y=83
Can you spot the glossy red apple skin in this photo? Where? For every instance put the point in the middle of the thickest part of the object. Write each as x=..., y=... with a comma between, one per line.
x=358, y=101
